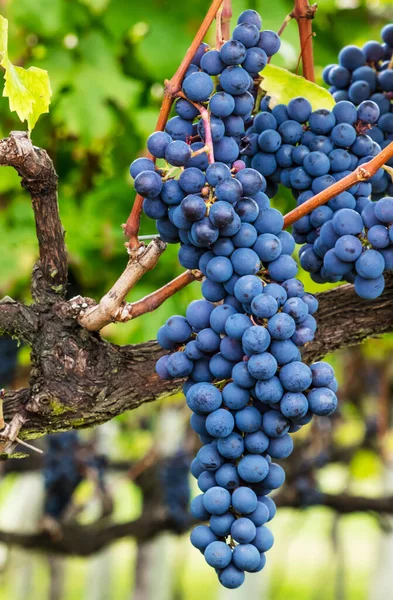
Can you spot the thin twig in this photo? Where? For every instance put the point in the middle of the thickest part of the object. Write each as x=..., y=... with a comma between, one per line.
x=155, y=299
x=362, y=173
x=287, y=19
x=219, y=36
x=206, y=123
x=23, y=443
x=172, y=87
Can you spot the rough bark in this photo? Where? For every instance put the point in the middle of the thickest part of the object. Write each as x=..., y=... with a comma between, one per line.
x=39, y=178
x=79, y=380
x=17, y=320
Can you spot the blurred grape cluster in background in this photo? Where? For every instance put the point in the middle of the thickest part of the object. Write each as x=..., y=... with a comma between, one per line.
x=107, y=60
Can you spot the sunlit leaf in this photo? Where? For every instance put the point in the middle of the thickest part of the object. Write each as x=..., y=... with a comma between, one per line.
x=3, y=38
x=37, y=83
x=282, y=86
x=20, y=99
x=28, y=91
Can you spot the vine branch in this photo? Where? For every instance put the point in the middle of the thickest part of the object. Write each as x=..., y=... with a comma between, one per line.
x=132, y=310
x=304, y=13
x=112, y=304
x=17, y=320
x=81, y=380
x=362, y=173
x=39, y=178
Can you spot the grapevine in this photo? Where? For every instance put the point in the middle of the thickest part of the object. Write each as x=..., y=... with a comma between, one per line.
x=223, y=147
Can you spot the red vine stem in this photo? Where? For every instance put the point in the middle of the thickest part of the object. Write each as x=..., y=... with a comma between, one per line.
x=172, y=87
x=362, y=173
x=304, y=13
x=219, y=35
x=155, y=299
x=287, y=19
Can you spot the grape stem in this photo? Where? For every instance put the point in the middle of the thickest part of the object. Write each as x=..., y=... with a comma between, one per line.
x=303, y=13
x=362, y=173
x=226, y=16
x=132, y=310
x=95, y=317
x=219, y=35
x=207, y=127
x=287, y=19
x=172, y=87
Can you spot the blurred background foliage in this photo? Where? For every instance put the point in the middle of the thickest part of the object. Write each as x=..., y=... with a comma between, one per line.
x=107, y=60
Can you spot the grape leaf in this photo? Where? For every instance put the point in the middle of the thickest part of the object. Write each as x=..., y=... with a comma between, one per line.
x=282, y=85
x=28, y=90
x=3, y=37
x=36, y=82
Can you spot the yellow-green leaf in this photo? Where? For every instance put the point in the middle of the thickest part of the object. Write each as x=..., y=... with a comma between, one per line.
x=28, y=91
x=36, y=81
x=3, y=39
x=20, y=99
x=282, y=85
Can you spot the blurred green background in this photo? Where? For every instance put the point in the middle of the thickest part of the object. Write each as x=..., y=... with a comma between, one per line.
x=107, y=60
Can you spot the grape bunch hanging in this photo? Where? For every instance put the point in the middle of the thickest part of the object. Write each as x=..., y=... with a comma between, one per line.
x=220, y=161
x=366, y=74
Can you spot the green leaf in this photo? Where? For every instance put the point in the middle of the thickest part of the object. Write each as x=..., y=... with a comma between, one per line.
x=36, y=81
x=28, y=91
x=3, y=38
x=282, y=86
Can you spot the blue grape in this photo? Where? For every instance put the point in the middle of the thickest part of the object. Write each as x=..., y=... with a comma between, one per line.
x=370, y=264
x=248, y=419
x=201, y=536
x=198, y=87
x=246, y=33
x=220, y=423
x=246, y=557
x=322, y=401
x=231, y=577
x=218, y=555
x=177, y=153
x=253, y=468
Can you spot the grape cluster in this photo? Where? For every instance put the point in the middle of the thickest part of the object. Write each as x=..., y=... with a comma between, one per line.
x=239, y=346
x=176, y=489
x=326, y=146
x=307, y=151
x=366, y=74
x=66, y=463
x=355, y=246
x=179, y=195
x=248, y=389
x=62, y=472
